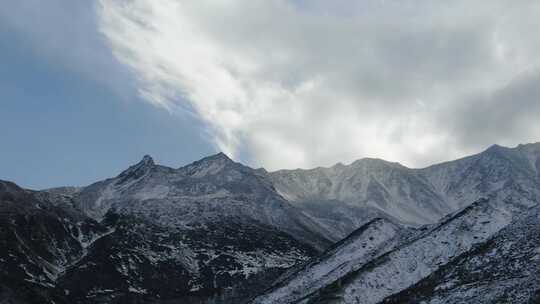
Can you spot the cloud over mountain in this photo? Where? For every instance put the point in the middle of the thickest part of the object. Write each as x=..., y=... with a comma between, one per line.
x=305, y=83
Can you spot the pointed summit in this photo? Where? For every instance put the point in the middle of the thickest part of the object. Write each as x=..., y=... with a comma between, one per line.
x=209, y=165
x=497, y=150
x=137, y=170
x=219, y=156
x=147, y=159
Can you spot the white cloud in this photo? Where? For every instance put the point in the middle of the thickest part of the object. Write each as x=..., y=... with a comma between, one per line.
x=307, y=83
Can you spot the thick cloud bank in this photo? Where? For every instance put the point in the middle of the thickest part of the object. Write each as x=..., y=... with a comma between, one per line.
x=306, y=83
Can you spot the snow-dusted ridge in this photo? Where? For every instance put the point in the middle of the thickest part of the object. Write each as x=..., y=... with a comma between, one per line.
x=366, y=243
x=210, y=229
x=212, y=188
x=344, y=197
x=216, y=231
x=504, y=269
x=412, y=260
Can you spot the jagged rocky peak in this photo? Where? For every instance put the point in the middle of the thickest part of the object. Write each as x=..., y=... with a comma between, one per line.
x=210, y=165
x=497, y=149
x=146, y=162
x=219, y=156
x=216, y=158
x=147, y=159
x=139, y=169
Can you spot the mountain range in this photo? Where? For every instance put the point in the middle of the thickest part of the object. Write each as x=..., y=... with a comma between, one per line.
x=216, y=231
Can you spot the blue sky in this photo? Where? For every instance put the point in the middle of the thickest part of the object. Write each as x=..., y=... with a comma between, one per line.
x=61, y=127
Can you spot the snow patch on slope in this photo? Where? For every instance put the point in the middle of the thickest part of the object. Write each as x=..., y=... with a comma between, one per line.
x=412, y=262
x=371, y=240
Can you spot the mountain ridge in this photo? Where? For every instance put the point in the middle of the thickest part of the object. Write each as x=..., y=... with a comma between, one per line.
x=410, y=196
x=217, y=231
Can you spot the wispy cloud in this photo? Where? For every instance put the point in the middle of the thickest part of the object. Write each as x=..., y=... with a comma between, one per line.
x=305, y=83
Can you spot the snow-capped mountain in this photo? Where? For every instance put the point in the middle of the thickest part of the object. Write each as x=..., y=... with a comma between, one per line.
x=504, y=183
x=216, y=231
x=212, y=189
x=507, y=174
x=346, y=197
x=342, y=198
